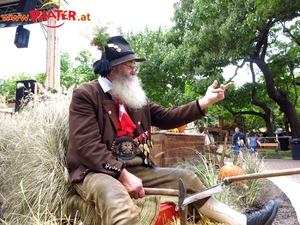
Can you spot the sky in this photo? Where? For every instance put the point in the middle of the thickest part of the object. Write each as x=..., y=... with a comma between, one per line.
x=130, y=15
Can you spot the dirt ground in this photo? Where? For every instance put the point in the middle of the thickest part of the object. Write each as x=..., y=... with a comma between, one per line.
x=286, y=213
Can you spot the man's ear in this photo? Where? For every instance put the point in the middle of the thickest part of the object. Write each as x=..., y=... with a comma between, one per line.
x=114, y=70
x=112, y=73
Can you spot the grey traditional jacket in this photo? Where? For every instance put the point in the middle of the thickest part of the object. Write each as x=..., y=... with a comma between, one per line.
x=92, y=123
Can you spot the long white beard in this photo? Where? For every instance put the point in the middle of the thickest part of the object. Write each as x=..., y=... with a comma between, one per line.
x=129, y=90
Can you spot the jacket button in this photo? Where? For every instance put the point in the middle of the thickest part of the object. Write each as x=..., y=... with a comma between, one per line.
x=139, y=123
x=109, y=112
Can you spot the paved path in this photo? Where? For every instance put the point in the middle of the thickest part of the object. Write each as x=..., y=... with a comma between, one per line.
x=290, y=185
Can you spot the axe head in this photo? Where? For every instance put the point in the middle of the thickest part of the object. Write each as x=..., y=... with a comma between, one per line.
x=181, y=195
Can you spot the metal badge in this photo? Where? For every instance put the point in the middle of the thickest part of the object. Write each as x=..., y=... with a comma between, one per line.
x=146, y=147
x=140, y=149
x=146, y=161
x=116, y=47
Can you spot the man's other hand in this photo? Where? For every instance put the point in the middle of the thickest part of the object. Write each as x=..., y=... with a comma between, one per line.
x=133, y=184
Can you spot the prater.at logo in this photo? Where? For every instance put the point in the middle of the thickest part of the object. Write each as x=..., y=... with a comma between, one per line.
x=41, y=15
x=49, y=10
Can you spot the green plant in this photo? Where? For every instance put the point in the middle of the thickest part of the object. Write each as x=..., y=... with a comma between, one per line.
x=205, y=169
x=100, y=36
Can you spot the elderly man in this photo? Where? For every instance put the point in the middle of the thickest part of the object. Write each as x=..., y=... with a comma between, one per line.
x=108, y=155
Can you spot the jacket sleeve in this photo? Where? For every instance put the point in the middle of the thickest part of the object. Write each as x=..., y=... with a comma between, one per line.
x=167, y=118
x=234, y=139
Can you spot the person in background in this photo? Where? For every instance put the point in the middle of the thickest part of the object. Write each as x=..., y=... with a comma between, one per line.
x=238, y=142
x=253, y=142
x=108, y=156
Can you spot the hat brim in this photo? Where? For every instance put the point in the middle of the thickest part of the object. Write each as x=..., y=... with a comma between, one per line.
x=126, y=58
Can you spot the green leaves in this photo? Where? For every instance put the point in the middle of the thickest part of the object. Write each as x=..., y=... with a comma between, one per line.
x=78, y=72
x=100, y=35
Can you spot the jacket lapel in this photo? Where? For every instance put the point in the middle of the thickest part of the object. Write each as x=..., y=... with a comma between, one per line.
x=140, y=120
x=109, y=107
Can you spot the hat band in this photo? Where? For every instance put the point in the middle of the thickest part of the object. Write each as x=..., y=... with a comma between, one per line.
x=119, y=55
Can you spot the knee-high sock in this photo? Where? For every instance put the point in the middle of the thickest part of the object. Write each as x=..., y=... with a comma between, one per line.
x=222, y=213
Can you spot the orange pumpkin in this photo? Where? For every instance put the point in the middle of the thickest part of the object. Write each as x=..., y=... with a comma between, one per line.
x=230, y=171
x=181, y=128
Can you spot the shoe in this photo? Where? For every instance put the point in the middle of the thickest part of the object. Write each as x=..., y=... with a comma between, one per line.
x=264, y=216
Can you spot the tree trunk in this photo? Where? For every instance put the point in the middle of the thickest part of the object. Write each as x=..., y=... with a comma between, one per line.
x=286, y=106
x=263, y=105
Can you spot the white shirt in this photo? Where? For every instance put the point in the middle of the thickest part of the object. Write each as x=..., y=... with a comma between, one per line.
x=104, y=83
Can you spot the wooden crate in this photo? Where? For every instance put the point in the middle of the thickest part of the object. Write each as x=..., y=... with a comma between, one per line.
x=169, y=148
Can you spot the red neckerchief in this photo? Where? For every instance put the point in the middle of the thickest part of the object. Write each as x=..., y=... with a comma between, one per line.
x=125, y=126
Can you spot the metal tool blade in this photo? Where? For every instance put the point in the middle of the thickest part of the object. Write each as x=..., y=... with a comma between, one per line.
x=181, y=195
x=203, y=194
x=182, y=210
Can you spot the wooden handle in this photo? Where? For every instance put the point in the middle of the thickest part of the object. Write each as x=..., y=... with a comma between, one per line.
x=161, y=191
x=275, y=173
x=183, y=216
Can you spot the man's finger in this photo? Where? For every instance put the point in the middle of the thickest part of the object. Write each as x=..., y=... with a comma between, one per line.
x=226, y=86
x=217, y=91
x=142, y=193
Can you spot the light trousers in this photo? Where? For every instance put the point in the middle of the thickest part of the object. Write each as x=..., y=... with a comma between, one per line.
x=114, y=205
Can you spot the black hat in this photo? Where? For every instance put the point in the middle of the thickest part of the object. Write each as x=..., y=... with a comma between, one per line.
x=117, y=51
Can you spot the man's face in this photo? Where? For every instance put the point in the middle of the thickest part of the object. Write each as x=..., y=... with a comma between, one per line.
x=127, y=87
x=129, y=68
x=125, y=69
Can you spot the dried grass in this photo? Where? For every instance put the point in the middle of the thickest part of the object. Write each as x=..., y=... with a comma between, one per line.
x=204, y=221
x=32, y=151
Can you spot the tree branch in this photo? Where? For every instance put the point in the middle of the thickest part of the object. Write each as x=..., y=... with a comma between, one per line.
x=236, y=70
x=286, y=30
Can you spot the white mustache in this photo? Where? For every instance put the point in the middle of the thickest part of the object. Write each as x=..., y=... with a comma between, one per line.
x=129, y=90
